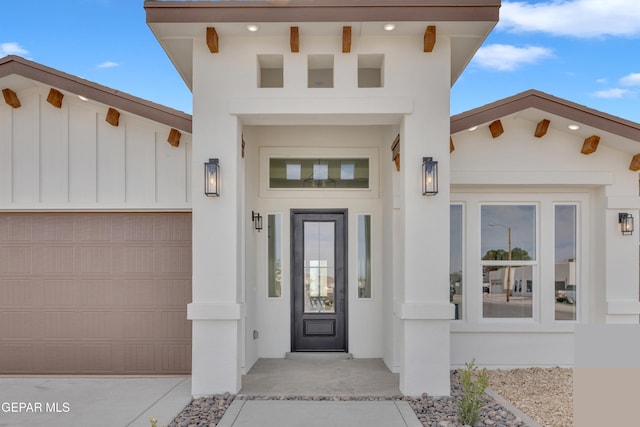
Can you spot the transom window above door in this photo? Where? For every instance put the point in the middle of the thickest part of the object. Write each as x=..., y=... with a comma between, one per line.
x=319, y=173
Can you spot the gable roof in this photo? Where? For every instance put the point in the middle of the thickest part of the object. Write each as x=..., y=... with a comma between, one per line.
x=176, y=24
x=17, y=65
x=533, y=99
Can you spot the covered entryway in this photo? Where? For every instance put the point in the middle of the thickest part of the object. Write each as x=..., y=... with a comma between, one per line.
x=95, y=293
x=319, y=240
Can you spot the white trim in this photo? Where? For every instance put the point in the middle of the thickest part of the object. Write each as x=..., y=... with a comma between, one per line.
x=529, y=178
x=210, y=311
x=425, y=311
x=623, y=307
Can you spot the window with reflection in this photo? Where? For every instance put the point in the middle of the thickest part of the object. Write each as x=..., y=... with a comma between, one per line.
x=455, y=259
x=274, y=256
x=508, y=259
x=319, y=267
x=327, y=173
x=364, y=256
x=565, y=242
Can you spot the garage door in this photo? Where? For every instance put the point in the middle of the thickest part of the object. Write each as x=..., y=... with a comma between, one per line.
x=95, y=293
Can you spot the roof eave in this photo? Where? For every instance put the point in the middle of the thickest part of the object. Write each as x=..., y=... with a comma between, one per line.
x=547, y=103
x=173, y=118
x=322, y=11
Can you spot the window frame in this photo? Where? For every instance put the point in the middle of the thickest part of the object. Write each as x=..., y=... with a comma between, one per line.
x=543, y=319
x=534, y=263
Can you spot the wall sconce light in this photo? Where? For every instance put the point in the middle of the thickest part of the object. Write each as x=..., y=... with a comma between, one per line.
x=212, y=178
x=626, y=223
x=257, y=220
x=429, y=176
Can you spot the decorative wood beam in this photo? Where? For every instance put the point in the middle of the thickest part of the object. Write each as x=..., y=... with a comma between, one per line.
x=11, y=98
x=294, y=39
x=496, y=129
x=346, y=39
x=212, y=40
x=451, y=146
x=430, y=38
x=395, y=150
x=590, y=144
x=635, y=163
x=55, y=98
x=113, y=117
x=542, y=128
x=174, y=137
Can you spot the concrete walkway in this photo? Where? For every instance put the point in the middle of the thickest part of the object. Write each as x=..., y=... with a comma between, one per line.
x=319, y=375
x=292, y=413
x=95, y=401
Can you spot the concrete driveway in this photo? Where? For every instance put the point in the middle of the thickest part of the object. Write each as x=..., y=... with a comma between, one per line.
x=94, y=401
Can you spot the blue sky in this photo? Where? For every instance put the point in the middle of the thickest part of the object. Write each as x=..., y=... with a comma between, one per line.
x=586, y=51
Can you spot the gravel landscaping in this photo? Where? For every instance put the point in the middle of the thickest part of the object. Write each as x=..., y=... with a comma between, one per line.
x=546, y=395
x=543, y=394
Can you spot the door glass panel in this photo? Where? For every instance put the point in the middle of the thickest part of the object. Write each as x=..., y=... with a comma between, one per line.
x=364, y=256
x=274, y=260
x=319, y=267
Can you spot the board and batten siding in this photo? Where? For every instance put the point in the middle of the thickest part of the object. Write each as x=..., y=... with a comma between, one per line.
x=70, y=158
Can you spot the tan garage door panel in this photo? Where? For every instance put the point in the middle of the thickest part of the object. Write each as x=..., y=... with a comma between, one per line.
x=95, y=293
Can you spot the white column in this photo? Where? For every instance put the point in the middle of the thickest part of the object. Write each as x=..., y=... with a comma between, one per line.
x=623, y=303
x=217, y=310
x=425, y=309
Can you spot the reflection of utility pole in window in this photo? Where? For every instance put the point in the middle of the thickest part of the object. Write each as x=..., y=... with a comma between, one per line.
x=508, y=255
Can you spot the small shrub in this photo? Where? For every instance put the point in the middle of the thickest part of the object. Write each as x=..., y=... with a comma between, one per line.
x=473, y=384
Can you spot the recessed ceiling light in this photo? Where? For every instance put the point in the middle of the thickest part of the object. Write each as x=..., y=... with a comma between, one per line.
x=573, y=127
x=389, y=27
x=472, y=128
x=82, y=98
x=252, y=27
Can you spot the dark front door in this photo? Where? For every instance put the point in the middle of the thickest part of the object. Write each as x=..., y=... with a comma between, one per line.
x=319, y=271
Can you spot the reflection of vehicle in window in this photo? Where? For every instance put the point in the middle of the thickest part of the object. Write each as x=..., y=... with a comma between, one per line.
x=567, y=295
x=570, y=293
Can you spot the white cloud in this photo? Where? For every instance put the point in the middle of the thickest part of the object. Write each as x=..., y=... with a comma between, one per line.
x=108, y=64
x=615, y=93
x=575, y=18
x=602, y=80
x=12, y=48
x=632, y=79
x=504, y=57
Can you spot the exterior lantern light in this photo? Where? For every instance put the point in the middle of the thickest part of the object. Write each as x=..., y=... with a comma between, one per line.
x=257, y=220
x=626, y=223
x=212, y=178
x=429, y=176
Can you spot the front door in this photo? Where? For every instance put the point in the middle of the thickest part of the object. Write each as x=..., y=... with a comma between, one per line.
x=319, y=271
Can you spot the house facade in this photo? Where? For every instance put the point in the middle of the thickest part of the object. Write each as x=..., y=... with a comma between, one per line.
x=301, y=103
x=300, y=210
